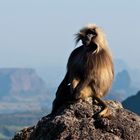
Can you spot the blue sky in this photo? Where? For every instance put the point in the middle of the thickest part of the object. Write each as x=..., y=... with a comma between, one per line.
x=36, y=33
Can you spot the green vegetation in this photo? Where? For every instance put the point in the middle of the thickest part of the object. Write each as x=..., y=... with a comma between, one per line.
x=12, y=123
x=6, y=132
x=2, y=137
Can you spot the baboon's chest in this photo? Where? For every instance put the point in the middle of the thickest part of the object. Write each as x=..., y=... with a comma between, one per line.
x=80, y=65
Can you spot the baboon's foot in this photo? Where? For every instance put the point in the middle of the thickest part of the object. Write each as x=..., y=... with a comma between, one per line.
x=106, y=113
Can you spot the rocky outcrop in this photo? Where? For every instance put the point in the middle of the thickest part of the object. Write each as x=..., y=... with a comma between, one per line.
x=79, y=121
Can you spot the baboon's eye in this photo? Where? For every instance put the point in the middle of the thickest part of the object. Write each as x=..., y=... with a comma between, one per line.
x=81, y=36
x=93, y=32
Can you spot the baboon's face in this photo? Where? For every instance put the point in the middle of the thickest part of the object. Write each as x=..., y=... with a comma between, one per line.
x=93, y=38
x=88, y=36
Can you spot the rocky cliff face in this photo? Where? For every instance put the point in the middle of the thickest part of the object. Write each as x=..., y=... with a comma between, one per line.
x=21, y=89
x=20, y=81
x=132, y=103
x=79, y=121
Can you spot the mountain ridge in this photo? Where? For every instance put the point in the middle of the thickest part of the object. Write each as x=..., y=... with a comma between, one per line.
x=22, y=90
x=132, y=103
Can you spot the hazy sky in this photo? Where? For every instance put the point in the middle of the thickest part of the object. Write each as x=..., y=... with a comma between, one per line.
x=35, y=33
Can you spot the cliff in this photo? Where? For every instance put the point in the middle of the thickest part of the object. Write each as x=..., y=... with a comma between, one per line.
x=19, y=88
x=132, y=103
x=79, y=121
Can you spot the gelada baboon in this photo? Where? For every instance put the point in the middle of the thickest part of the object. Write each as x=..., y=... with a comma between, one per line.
x=90, y=70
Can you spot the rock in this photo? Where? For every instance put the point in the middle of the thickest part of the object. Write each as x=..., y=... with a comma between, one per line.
x=79, y=121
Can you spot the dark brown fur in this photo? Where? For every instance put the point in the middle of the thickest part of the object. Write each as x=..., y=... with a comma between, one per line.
x=90, y=69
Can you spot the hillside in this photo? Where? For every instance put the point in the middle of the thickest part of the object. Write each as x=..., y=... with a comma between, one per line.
x=133, y=103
